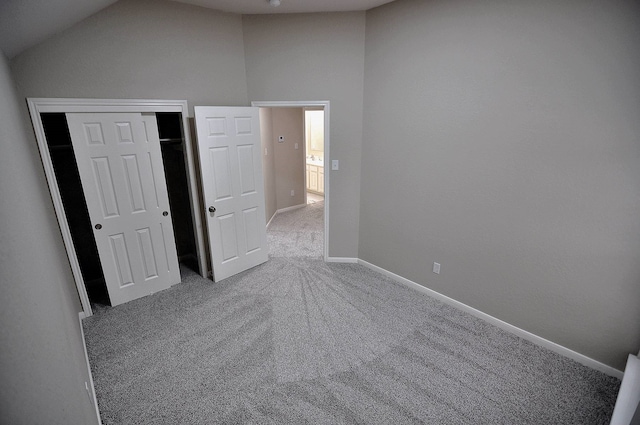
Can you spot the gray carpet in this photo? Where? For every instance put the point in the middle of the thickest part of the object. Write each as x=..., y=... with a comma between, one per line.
x=298, y=233
x=297, y=341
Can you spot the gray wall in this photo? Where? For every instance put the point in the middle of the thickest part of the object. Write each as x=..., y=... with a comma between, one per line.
x=141, y=49
x=158, y=49
x=289, y=162
x=317, y=57
x=42, y=367
x=501, y=140
x=268, y=163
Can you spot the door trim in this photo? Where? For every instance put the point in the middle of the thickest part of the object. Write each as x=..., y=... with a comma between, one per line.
x=327, y=139
x=43, y=105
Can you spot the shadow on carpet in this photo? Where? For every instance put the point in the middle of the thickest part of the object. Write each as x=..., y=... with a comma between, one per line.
x=297, y=341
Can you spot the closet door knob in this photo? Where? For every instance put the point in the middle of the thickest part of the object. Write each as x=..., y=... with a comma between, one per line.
x=212, y=209
x=165, y=213
x=98, y=226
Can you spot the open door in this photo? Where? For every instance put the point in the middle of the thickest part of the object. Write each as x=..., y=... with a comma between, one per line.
x=122, y=175
x=231, y=167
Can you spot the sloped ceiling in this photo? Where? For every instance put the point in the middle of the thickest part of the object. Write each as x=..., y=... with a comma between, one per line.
x=25, y=23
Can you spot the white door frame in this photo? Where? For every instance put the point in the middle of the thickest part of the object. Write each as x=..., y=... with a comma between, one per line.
x=44, y=105
x=327, y=136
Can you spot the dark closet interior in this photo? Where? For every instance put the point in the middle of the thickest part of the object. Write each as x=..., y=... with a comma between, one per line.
x=73, y=200
x=175, y=170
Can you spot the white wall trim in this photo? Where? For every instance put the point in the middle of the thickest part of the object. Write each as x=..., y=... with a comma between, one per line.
x=346, y=260
x=627, y=403
x=42, y=105
x=281, y=210
x=92, y=388
x=271, y=219
x=538, y=340
x=291, y=208
x=324, y=104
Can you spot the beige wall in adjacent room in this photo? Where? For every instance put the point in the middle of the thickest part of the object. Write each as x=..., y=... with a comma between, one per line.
x=141, y=49
x=42, y=365
x=289, y=161
x=268, y=163
x=501, y=140
x=303, y=57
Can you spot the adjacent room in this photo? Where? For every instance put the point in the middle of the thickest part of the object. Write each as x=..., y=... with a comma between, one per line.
x=314, y=158
x=449, y=192
x=294, y=179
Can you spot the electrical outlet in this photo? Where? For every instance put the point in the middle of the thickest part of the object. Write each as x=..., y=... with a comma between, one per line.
x=436, y=268
x=266, y=152
x=293, y=193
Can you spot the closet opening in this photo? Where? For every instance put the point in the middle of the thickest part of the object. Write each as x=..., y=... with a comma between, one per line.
x=172, y=144
x=175, y=169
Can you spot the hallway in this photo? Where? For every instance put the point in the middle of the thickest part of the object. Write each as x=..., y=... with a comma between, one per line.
x=297, y=233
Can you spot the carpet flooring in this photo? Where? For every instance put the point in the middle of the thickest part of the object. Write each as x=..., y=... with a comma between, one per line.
x=298, y=233
x=297, y=340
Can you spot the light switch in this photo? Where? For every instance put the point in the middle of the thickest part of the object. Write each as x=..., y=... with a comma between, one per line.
x=280, y=139
x=335, y=164
x=295, y=146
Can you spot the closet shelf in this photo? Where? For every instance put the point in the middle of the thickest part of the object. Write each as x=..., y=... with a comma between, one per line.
x=171, y=140
x=61, y=148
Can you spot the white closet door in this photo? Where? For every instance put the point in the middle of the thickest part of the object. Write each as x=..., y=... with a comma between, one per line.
x=120, y=165
x=232, y=181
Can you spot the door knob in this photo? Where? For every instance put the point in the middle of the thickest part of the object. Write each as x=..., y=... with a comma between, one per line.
x=98, y=226
x=212, y=209
x=165, y=213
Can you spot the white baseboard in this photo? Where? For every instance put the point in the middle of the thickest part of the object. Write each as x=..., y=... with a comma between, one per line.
x=538, y=340
x=627, y=405
x=291, y=208
x=294, y=207
x=271, y=219
x=92, y=388
x=349, y=260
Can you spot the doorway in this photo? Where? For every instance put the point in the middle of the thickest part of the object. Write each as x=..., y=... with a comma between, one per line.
x=272, y=140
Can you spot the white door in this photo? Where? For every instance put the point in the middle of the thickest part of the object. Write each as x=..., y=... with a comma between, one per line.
x=232, y=182
x=120, y=165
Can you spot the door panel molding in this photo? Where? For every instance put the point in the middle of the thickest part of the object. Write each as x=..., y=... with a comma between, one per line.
x=43, y=105
x=142, y=250
x=233, y=188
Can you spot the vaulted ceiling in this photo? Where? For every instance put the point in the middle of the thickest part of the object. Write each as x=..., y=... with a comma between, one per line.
x=25, y=23
x=247, y=7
